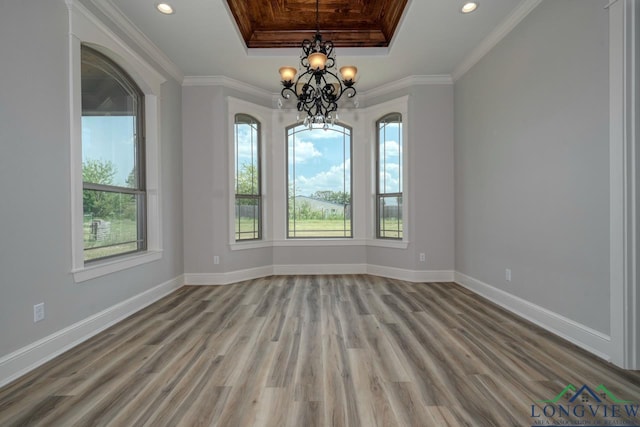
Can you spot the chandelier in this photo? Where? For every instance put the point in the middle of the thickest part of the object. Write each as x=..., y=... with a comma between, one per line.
x=318, y=87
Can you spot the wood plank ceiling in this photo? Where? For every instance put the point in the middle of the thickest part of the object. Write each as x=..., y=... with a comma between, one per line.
x=347, y=23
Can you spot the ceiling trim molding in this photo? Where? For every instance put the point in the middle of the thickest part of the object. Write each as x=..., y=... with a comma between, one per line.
x=295, y=51
x=436, y=79
x=132, y=31
x=226, y=82
x=489, y=42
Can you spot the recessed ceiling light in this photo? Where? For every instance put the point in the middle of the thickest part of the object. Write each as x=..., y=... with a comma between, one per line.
x=165, y=8
x=469, y=6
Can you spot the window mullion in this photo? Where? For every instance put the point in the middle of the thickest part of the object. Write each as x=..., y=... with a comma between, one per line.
x=111, y=188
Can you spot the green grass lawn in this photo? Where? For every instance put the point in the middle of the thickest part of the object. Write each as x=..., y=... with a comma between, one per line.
x=319, y=228
x=121, y=230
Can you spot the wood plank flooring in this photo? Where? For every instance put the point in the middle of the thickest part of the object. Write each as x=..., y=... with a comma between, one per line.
x=334, y=350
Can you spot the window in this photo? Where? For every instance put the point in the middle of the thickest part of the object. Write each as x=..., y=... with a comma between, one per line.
x=319, y=182
x=140, y=237
x=113, y=167
x=389, y=224
x=248, y=207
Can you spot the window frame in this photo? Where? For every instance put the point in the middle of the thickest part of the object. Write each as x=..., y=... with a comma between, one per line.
x=379, y=194
x=373, y=113
x=351, y=185
x=85, y=28
x=139, y=191
x=265, y=116
x=257, y=196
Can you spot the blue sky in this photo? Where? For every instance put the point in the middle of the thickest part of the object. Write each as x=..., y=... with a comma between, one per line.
x=110, y=138
x=323, y=159
x=321, y=162
x=390, y=158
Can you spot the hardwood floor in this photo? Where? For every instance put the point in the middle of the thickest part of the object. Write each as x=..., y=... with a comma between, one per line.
x=315, y=351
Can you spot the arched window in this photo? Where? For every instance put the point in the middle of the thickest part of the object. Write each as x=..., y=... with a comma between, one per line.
x=389, y=177
x=113, y=153
x=248, y=209
x=319, y=182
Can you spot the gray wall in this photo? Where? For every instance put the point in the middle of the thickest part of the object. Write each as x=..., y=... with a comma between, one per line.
x=35, y=226
x=431, y=199
x=206, y=173
x=206, y=186
x=532, y=164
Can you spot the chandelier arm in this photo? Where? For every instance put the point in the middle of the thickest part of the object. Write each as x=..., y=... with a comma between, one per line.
x=306, y=50
x=350, y=91
x=338, y=81
x=285, y=95
x=307, y=97
x=328, y=47
x=334, y=75
x=331, y=62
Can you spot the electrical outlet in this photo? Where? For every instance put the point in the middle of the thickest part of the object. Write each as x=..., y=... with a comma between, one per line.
x=38, y=312
x=216, y=259
x=507, y=274
x=423, y=257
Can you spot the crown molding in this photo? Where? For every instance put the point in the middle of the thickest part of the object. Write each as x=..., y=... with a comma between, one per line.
x=437, y=79
x=80, y=15
x=443, y=79
x=520, y=12
x=133, y=32
x=226, y=82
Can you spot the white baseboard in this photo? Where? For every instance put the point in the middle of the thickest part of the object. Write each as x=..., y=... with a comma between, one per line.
x=416, y=276
x=30, y=357
x=314, y=269
x=227, y=278
x=583, y=336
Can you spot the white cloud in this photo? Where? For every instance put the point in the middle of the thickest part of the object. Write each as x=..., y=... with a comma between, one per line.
x=390, y=178
x=303, y=151
x=392, y=148
x=393, y=168
x=246, y=145
x=332, y=180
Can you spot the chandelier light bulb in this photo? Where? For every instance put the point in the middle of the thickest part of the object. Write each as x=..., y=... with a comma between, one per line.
x=317, y=60
x=348, y=72
x=287, y=73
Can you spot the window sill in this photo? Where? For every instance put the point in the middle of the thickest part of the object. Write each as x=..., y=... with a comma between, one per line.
x=296, y=242
x=113, y=265
x=320, y=242
x=254, y=244
x=383, y=243
x=300, y=242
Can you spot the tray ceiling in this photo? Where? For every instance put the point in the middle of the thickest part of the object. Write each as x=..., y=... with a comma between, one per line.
x=347, y=23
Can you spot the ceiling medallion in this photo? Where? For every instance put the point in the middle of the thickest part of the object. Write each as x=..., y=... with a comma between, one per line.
x=318, y=87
